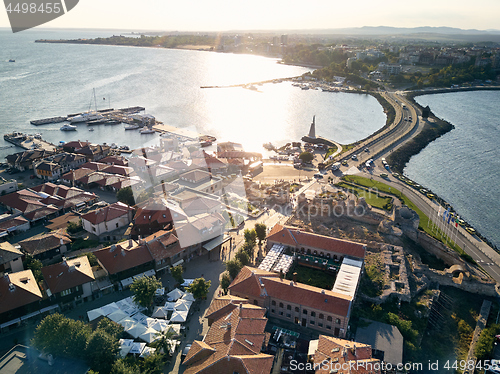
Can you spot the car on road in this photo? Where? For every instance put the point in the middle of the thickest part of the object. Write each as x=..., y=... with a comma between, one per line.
x=384, y=175
x=318, y=176
x=367, y=150
x=185, y=351
x=354, y=157
x=344, y=163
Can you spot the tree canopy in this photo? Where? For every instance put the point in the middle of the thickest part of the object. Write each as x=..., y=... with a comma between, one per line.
x=225, y=280
x=101, y=351
x=126, y=196
x=199, y=288
x=306, y=157
x=177, y=272
x=261, y=231
x=144, y=289
x=233, y=267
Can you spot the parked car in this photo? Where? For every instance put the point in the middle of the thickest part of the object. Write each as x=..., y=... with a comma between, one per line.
x=185, y=351
x=318, y=176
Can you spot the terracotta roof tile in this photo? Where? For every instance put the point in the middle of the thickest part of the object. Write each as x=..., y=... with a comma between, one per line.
x=18, y=289
x=107, y=213
x=120, y=257
x=294, y=237
x=44, y=242
x=68, y=274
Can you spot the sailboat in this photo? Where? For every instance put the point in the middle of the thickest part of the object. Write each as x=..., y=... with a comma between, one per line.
x=89, y=115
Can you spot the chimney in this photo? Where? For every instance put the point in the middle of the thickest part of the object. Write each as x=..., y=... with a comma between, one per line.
x=130, y=243
x=241, y=306
x=295, y=277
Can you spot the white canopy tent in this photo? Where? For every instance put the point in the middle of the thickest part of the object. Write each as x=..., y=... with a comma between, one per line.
x=158, y=324
x=117, y=315
x=188, y=296
x=95, y=313
x=169, y=306
x=127, y=323
x=160, y=312
x=109, y=308
x=175, y=294
x=149, y=336
x=125, y=346
x=147, y=352
x=179, y=316
x=182, y=305
x=139, y=317
x=137, y=348
x=137, y=330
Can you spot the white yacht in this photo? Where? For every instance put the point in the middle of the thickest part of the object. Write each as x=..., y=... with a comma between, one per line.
x=68, y=127
x=86, y=117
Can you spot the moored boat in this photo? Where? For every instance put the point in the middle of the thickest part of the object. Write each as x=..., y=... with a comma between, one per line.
x=68, y=127
x=132, y=127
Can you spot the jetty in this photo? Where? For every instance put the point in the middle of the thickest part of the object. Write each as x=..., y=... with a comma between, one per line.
x=28, y=142
x=110, y=113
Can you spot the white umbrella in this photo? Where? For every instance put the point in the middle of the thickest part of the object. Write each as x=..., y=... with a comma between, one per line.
x=127, y=323
x=175, y=328
x=179, y=316
x=109, y=308
x=169, y=306
x=160, y=312
x=95, y=313
x=125, y=346
x=175, y=294
x=117, y=315
x=149, y=336
x=137, y=348
x=188, y=296
x=147, y=351
x=182, y=305
x=137, y=330
x=159, y=325
x=139, y=317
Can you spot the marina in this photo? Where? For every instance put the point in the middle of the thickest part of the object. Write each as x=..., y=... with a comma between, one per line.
x=28, y=142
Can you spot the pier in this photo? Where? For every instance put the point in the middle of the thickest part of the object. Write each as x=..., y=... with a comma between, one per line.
x=28, y=142
x=112, y=114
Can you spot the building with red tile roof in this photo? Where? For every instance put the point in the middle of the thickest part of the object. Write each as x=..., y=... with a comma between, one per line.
x=153, y=215
x=115, y=160
x=69, y=280
x=46, y=246
x=233, y=343
x=312, y=307
x=343, y=356
x=19, y=295
x=165, y=249
x=125, y=259
x=11, y=258
x=315, y=244
x=107, y=219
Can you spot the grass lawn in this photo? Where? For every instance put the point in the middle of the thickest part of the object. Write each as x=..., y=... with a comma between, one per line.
x=330, y=151
x=424, y=220
x=312, y=277
x=370, y=197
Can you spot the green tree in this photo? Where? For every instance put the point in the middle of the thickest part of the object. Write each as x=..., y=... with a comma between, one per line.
x=144, y=289
x=250, y=236
x=152, y=364
x=31, y=263
x=57, y=334
x=126, y=196
x=484, y=345
x=261, y=231
x=121, y=366
x=111, y=328
x=233, y=267
x=177, y=272
x=74, y=227
x=164, y=341
x=102, y=351
x=199, y=288
x=306, y=157
x=242, y=257
x=225, y=281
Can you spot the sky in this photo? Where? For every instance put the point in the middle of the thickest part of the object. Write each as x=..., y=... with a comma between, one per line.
x=223, y=15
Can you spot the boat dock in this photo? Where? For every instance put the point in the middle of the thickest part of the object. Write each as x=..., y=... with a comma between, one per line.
x=183, y=133
x=117, y=114
x=28, y=142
